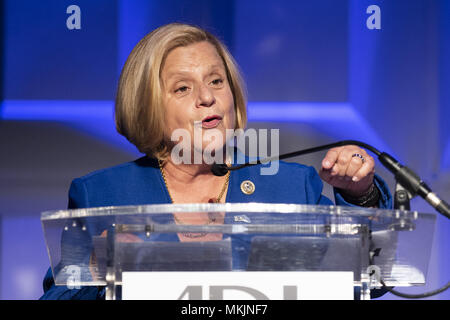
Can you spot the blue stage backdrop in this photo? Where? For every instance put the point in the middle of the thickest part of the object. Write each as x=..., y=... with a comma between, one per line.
x=315, y=69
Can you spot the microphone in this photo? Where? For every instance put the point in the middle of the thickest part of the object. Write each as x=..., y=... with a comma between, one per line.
x=413, y=184
x=220, y=169
x=403, y=175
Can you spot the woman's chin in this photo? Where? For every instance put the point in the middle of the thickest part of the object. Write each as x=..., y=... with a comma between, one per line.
x=210, y=153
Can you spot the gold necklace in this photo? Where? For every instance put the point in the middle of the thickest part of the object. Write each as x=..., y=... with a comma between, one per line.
x=224, y=187
x=210, y=220
x=193, y=235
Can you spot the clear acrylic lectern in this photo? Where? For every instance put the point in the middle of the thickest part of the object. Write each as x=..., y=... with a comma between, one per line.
x=93, y=247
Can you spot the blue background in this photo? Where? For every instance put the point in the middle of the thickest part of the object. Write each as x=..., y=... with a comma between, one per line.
x=312, y=68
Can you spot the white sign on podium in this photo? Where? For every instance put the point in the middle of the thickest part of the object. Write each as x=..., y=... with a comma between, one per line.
x=258, y=285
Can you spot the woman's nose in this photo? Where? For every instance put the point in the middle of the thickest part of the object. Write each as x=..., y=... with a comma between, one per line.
x=205, y=96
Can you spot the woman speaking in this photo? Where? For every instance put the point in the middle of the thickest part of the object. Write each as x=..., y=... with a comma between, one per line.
x=180, y=77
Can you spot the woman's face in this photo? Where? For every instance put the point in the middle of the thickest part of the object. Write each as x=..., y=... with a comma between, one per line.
x=197, y=95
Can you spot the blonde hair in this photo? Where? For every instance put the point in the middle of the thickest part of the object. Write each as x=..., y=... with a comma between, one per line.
x=139, y=111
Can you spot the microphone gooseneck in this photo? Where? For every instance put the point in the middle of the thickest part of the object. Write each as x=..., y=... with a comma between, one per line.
x=403, y=175
x=221, y=169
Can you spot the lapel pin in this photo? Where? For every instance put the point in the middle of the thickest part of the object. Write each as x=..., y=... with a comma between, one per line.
x=247, y=187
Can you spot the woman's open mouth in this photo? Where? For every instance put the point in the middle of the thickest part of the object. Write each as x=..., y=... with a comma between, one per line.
x=211, y=121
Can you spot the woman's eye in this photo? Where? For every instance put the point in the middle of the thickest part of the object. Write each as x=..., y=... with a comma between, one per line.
x=217, y=82
x=181, y=89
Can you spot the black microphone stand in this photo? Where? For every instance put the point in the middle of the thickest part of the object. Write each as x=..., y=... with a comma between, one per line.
x=402, y=198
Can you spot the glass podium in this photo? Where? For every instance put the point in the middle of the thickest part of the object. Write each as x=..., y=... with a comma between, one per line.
x=95, y=246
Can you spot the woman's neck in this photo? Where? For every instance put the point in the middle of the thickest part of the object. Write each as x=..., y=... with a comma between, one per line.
x=186, y=173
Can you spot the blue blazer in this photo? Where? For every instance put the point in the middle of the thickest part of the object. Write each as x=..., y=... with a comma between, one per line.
x=140, y=182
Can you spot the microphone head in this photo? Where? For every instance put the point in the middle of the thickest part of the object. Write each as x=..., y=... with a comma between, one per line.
x=219, y=169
